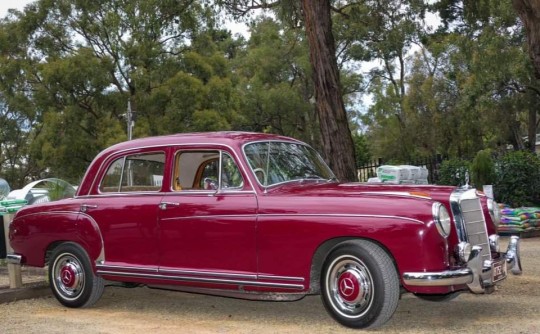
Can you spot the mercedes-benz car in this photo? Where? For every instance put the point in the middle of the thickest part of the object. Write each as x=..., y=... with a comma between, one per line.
x=260, y=216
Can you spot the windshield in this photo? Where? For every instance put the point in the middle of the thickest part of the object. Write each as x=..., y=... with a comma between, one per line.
x=278, y=162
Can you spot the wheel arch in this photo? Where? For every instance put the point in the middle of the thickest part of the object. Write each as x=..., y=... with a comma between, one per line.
x=322, y=252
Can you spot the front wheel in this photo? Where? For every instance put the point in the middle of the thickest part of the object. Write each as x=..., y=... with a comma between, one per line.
x=360, y=285
x=71, y=277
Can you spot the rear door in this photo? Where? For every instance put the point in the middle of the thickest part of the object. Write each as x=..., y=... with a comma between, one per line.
x=126, y=210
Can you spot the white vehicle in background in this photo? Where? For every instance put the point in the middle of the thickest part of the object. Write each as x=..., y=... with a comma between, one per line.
x=45, y=190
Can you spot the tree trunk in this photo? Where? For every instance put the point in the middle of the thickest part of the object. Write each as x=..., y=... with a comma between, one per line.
x=533, y=109
x=337, y=142
x=529, y=13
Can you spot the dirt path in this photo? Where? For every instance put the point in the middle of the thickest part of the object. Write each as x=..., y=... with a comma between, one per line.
x=515, y=308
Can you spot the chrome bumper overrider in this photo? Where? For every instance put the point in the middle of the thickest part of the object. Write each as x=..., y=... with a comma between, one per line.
x=477, y=275
x=14, y=258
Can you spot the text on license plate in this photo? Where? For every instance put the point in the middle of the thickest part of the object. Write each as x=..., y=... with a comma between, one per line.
x=498, y=270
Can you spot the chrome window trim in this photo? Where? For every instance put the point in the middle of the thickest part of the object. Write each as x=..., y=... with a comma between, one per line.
x=164, y=148
x=109, y=161
x=220, y=190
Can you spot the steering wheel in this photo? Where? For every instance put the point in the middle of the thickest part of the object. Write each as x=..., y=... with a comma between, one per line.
x=260, y=173
x=210, y=184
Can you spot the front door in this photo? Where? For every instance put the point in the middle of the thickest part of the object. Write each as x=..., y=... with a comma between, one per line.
x=207, y=223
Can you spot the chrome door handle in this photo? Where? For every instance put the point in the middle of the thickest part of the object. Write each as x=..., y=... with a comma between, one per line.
x=85, y=207
x=164, y=205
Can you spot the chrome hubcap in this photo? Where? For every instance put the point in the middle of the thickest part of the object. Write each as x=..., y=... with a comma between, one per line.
x=68, y=276
x=350, y=285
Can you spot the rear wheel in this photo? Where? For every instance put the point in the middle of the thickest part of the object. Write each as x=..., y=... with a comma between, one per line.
x=71, y=277
x=360, y=285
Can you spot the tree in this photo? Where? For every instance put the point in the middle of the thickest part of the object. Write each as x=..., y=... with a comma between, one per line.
x=72, y=66
x=336, y=136
x=479, y=13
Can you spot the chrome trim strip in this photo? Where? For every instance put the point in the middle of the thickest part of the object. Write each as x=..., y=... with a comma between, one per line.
x=339, y=215
x=252, y=216
x=123, y=194
x=102, y=266
x=14, y=258
x=281, y=278
x=394, y=193
x=443, y=278
x=206, y=273
x=201, y=280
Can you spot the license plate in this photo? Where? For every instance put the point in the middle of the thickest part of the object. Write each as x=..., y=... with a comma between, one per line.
x=498, y=270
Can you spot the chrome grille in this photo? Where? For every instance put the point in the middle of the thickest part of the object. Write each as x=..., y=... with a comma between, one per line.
x=470, y=221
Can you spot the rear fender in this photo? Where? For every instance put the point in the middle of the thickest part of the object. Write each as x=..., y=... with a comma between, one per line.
x=32, y=236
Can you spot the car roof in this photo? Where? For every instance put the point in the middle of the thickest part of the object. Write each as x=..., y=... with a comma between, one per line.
x=230, y=138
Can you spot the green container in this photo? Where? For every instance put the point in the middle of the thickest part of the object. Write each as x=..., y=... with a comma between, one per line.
x=9, y=206
x=13, y=202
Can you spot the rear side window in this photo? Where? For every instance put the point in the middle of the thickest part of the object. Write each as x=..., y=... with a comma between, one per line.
x=135, y=173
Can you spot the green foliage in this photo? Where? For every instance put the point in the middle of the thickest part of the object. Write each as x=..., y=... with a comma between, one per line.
x=453, y=172
x=361, y=149
x=518, y=181
x=483, y=169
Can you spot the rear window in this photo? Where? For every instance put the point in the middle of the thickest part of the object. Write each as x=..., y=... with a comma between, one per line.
x=135, y=173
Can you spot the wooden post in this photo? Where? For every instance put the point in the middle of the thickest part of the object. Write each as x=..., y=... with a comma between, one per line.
x=14, y=270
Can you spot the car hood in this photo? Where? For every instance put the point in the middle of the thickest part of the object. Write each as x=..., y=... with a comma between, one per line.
x=331, y=189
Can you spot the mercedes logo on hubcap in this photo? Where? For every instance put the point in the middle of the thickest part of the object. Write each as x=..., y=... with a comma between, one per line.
x=346, y=286
x=66, y=277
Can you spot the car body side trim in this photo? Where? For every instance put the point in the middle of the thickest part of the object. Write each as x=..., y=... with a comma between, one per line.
x=183, y=278
x=281, y=278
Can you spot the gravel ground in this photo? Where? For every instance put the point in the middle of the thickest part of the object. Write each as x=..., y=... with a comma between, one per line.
x=514, y=308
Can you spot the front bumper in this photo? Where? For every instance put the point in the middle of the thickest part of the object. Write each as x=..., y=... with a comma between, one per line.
x=477, y=276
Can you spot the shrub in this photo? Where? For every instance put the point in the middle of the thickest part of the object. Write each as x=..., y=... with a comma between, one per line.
x=453, y=172
x=518, y=179
x=483, y=169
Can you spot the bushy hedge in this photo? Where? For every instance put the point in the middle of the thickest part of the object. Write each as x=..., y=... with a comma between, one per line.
x=518, y=179
x=452, y=172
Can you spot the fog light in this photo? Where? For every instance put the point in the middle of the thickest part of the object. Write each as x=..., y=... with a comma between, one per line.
x=494, y=243
x=464, y=251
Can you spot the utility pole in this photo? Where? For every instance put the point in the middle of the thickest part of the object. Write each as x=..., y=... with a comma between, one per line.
x=130, y=120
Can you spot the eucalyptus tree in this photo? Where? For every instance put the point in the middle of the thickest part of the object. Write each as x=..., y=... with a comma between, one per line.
x=75, y=64
x=384, y=32
x=315, y=16
x=478, y=14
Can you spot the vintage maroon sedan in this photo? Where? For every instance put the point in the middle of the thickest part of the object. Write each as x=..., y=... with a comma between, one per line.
x=259, y=216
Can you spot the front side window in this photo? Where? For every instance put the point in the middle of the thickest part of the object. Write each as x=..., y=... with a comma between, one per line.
x=135, y=173
x=278, y=162
x=200, y=170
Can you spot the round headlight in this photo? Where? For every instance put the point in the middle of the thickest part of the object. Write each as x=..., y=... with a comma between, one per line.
x=442, y=219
